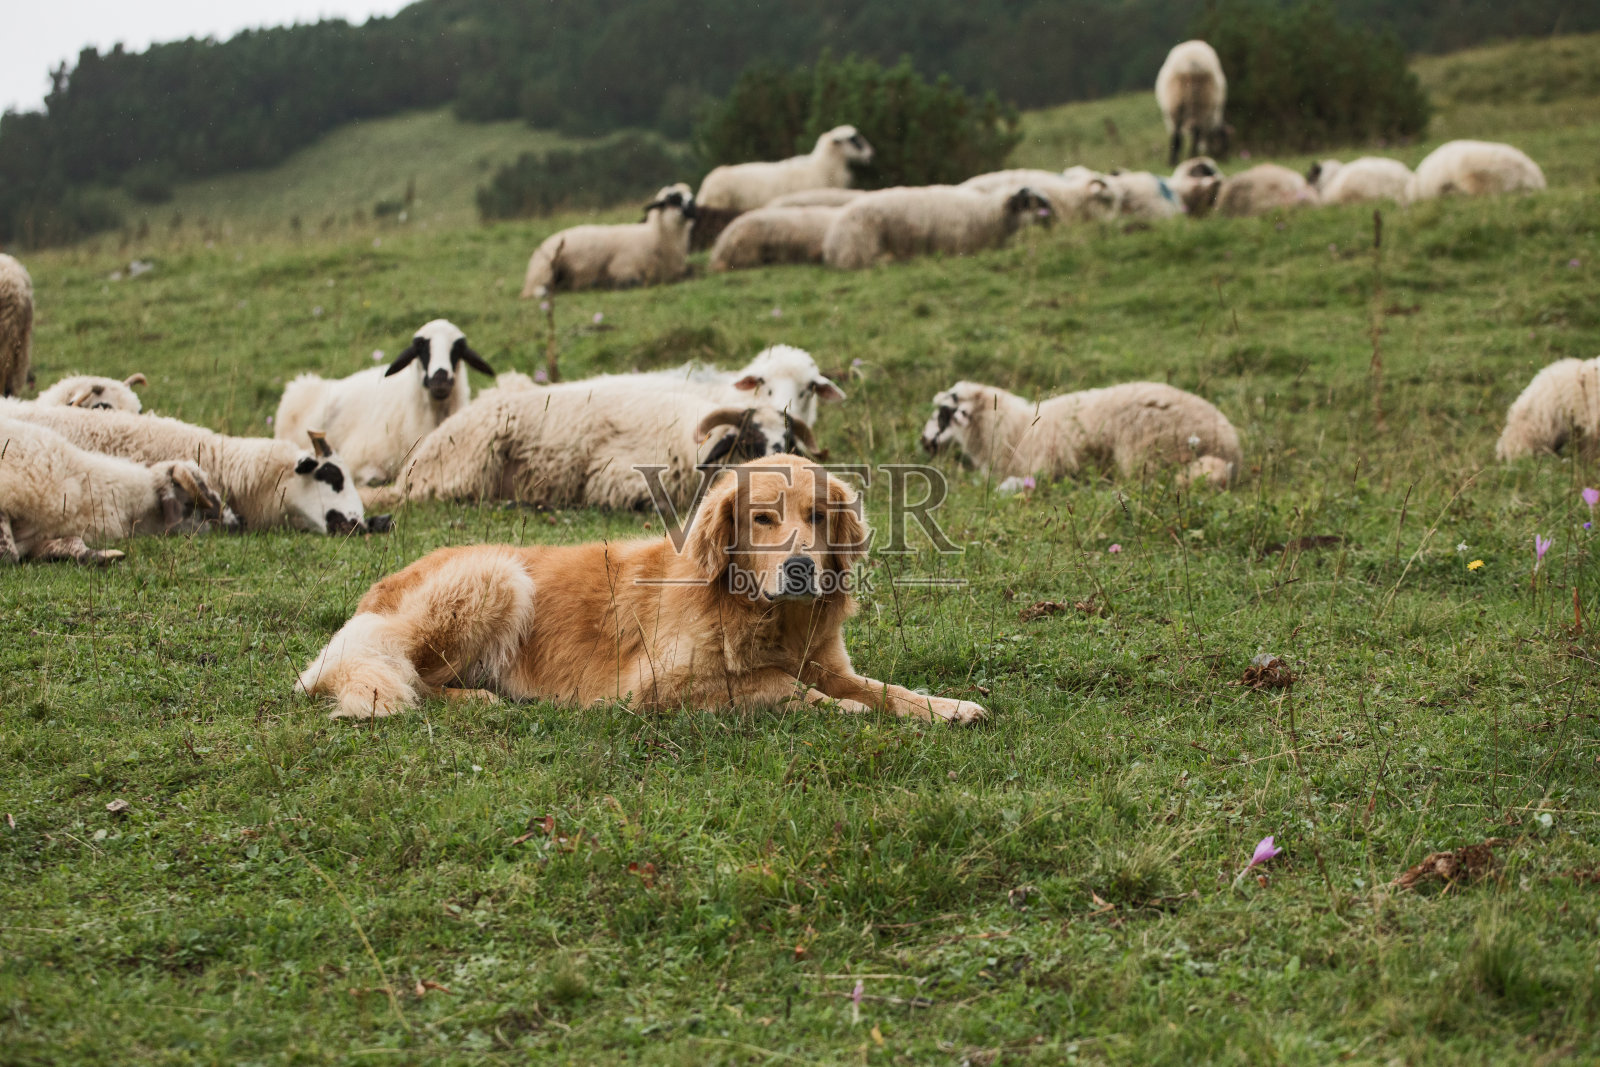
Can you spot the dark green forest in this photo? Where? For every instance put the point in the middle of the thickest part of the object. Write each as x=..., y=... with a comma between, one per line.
x=192, y=108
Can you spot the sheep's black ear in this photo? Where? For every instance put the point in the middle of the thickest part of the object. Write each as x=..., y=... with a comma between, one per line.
x=418, y=347
x=306, y=465
x=1314, y=173
x=720, y=450
x=460, y=351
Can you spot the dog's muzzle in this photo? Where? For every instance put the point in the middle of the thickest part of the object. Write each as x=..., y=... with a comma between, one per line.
x=797, y=578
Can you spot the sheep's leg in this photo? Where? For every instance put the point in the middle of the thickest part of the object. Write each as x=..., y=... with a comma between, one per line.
x=73, y=548
x=8, y=542
x=1195, y=145
x=1177, y=146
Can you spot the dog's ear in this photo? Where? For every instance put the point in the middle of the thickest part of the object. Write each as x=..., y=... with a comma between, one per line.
x=711, y=530
x=848, y=532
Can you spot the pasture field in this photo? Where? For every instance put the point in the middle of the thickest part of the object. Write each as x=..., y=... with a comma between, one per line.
x=468, y=884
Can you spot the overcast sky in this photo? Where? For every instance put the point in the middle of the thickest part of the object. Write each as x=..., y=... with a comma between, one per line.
x=41, y=33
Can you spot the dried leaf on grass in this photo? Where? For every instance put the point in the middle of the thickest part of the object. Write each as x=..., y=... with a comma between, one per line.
x=1043, y=608
x=1470, y=863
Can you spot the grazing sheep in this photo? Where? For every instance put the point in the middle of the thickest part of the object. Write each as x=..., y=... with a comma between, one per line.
x=1146, y=196
x=1081, y=194
x=16, y=326
x=374, y=417
x=651, y=252
x=1367, y=178
x=1197, y=182
x=1473, y=168
x=1261, y=189
x=771, y=235
x=1561, y=404
x=54, y=495
x=781, y=377
x=578, y=443
x=268, y=482
x=816, y=198
x=94, y=393
x=1192, y=91
x=1121, y=428
x=903, y=222
x=730, y=190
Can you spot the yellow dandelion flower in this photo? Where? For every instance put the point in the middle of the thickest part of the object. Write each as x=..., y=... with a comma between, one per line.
x=1475, y=564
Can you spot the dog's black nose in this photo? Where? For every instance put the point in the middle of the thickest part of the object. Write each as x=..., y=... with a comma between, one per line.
x=798, y=576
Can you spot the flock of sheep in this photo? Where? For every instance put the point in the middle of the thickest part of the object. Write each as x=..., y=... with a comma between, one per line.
x=83, y=463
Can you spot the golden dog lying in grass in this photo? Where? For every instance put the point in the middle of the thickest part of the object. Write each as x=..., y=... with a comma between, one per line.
x=749, y=613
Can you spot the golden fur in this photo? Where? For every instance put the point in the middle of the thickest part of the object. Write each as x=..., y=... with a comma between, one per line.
x=633, y=621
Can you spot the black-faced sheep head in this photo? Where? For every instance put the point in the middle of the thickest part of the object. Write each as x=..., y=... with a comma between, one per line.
x=438, y=349
x=952, y=417
x=322, y=496
x=788, y=379
x=1027, y=206
x=674, y=198
x=848, y=142
x=751, y=433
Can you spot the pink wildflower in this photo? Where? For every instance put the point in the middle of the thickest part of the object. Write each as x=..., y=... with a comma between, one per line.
x=1028, y=482
x=1591, y=497
x=1541, y=545
x=1265, y=850
x=1114, y=549
x=540, y=375
x=599, y=317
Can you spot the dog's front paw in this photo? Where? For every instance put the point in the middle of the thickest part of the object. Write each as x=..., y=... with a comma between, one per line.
x=960, y=711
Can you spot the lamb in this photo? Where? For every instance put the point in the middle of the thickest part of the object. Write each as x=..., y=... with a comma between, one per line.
x=53, y=495
x=268, y=482
x=1367, y=178
x=1473, y=168
x=781, y=377
x=902, y=222
x=1261, y=189
x=92, y=392
x=816, y=198
x=1146, y=196
x=773, y=235
x=1121, y=427
x=731, y=190
x=374, y=417
x=1192, y=91
x=579, y=443
x=651, y=252
x=1198, y=182
x=16, y=326
x=1080, y=194
x=1561, y=404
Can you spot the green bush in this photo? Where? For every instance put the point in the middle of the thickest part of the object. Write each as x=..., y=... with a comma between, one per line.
x=625, y=168
x=922, y=133
x=1300, y=80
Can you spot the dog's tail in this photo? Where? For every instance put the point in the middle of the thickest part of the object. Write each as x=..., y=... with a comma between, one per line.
x=461, y=624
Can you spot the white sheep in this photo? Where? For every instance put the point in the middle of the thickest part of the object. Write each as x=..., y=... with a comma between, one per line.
x=16, y=326
x=1146, y=196
x=816, y=198
x=374, y=417
x=903, y=222
x=268, y=482
x=1263, y=188
x=781, y=377
x=651, y=252
x=1473, y=168
x=578, y=443
x=1561, y=404
x=729, y=190
x=1119, y=428
x=54, y=495
x=1192, y=92
x=1197, y=182
x=771, y=235
x=95, y=393
x=1080, y=194
x=1367, y=178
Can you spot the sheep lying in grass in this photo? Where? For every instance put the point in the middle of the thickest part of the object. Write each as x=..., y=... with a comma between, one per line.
x=54, y=495
x=816, y=198
x=904, y=222
x=16, y=326
x=578, y=443
x=1197, y=182
x=1561, y=404
x=94, y=393
x=730, y=190
x=772, y=235
x=781, y=377
x=1120, y=428
x=374, y=417
x=1367, y=178
x=1080, y=194
x=1192, y=92
x=1261, y=189
x=1146, y=196
x=1473, y=168
x=651, y=252
x=269, y=483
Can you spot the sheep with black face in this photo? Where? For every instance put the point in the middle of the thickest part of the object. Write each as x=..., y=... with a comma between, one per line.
x=376, y=416
x=651, y=252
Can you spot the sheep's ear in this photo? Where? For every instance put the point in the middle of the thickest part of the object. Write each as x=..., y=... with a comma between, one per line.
x=826, y=390
x=720, y=450
x=198, y=491
x=475, y=361
x=719, y=417
x=306, y=465
x=749, y=382
x=1313, y=173
x=417, y=347
x=134, y=379
x=319, y=443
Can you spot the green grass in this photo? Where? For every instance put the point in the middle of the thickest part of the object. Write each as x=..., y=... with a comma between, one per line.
x=715, y=885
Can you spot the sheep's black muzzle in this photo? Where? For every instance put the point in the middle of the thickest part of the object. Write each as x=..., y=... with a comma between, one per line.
x=340, y=523
x=441, y=385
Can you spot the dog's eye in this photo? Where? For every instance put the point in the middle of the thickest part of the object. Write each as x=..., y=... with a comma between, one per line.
x=817, y=517
x=764, y=518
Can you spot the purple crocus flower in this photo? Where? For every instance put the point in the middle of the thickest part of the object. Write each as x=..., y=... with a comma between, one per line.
x=1541, y=545
x=1591, y=497
x=1265, y=850
x=1028, y=482
x=540, y=375
x=1574, y=263
x=1114, y=549
x=599, y=317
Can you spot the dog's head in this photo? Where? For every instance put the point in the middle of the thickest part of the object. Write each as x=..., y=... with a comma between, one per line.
x=779, y=528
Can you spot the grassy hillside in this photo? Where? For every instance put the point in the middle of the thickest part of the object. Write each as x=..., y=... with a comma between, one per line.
x=1058, y=886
